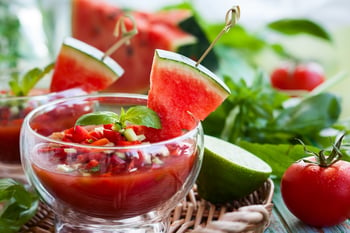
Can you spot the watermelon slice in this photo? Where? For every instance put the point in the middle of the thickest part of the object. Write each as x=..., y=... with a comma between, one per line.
x=180, y=92
x=81, y=65
x=176, y=30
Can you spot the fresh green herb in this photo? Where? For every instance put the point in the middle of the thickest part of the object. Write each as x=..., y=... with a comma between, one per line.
x=258, y=113
x=246, y=112
x=137, y=115
x=298, y=26
x=21, y=86
x=281, y=156
x=19, y=205
x=266, y=122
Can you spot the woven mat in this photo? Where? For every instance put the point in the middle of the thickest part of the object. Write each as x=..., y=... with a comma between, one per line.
x=250, y=214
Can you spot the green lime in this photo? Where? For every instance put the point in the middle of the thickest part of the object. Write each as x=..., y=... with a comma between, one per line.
x=229, y=172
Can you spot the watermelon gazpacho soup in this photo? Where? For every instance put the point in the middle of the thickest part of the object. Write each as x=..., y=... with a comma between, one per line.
x=103, y=165
x=115, y=185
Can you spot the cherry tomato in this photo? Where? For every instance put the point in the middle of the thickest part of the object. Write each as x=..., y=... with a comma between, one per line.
x=303, y=76
x=318, y=196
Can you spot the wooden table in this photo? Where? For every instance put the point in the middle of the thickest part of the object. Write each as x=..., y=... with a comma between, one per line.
x=283, y=221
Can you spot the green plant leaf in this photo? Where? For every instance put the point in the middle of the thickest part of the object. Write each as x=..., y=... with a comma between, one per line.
x=20, y=205
x=237, y=37
x=141, y=115
x=300, y=26
x=22, y=86
x=311, y=115
x=98, y=118
x=279, y=157
x=137, y=115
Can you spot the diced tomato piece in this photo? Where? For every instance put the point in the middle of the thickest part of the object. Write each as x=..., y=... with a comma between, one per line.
x=116, y=160
x=60, y=154
x=82, y=158
x=92, y=164
x=69, y=131
x=97, y=156
x=68, y=135
x=113, y=135
x=95, y=135
x=100, y=142
x=80, y=134
x=108, y=126
x=138, y=129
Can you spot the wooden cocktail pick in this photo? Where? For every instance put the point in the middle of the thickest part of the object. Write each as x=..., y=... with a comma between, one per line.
x=232, y=16
x=122, y=32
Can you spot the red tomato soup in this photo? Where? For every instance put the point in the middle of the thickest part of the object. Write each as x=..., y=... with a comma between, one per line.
x=9, y=141
x=122, y=191
x=12, y=112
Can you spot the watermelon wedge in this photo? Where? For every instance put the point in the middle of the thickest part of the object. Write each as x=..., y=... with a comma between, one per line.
x=81, y=65
x=176, y=30
x=181, y=93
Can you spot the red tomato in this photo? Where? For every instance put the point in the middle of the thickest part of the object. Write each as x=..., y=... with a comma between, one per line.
x=318, y=196
x=300, y=77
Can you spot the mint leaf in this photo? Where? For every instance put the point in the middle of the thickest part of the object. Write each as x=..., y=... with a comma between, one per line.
x=22, y=86
x=19, y=205
x=141, y=115
x=98, y=118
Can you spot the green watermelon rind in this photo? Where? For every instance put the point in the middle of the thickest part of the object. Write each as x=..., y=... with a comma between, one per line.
x=183, y=60
x=92, y=55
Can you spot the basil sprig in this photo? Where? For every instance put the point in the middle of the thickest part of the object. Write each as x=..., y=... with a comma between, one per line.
x=136, y=115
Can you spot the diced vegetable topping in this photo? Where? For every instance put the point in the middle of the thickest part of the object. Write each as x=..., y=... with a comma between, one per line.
x=102, y=161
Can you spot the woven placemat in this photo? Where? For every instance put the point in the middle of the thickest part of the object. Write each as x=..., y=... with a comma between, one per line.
x=249, y=214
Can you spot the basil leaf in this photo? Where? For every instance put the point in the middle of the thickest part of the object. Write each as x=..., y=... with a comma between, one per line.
x=98, y=118
x=19, y=205
x=311, y=114
x=142, y=115
x=298, y=26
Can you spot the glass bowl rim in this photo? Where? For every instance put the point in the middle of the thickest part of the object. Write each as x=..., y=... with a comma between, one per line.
x=30, y=115
x=27, y=97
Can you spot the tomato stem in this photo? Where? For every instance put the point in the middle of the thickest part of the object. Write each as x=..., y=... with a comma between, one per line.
x=324, y=160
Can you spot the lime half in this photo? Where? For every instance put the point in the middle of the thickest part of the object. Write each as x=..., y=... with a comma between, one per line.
x=229, y=172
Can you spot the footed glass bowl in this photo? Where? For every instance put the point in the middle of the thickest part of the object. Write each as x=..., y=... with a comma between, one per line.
x=133, y=188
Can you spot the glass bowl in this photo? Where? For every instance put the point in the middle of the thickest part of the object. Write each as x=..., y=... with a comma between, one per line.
x=13, y=109
x=133, y=188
